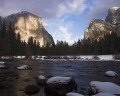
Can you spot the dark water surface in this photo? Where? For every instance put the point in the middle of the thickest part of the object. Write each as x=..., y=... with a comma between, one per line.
x=82, y=71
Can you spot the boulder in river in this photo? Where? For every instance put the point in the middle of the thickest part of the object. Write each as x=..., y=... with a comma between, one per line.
x=59, y=86
x=41, y=80
x=24, y=67
x=111, y=74
x=31, y=89
x=108, y=87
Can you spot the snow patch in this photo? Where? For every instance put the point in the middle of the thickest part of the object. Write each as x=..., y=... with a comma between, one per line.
x=73, y=94
x=105, y=57
x=19, y=57
x=23, y=67
x=2, y=62
x=67, y=58
x=86, y=57
x=6, y=57
x=115, y=8
x=107, y=87
x=41, y=77
x=59, y=79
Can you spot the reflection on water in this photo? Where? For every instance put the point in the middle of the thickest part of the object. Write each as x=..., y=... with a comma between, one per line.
x=82, y=71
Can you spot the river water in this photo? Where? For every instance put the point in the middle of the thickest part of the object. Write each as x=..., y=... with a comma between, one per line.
x=82, y=71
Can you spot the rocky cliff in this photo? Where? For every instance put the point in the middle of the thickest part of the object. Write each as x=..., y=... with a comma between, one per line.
x=113, y=16
x=29, y=25
x=99, y=28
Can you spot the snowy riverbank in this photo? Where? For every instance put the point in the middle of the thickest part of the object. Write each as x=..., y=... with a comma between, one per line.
x=68, y=58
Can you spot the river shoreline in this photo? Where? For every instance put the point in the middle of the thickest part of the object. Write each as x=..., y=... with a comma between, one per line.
x=82, y=71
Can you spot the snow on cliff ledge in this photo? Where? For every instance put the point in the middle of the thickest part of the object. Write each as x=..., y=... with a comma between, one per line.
x=114, y=8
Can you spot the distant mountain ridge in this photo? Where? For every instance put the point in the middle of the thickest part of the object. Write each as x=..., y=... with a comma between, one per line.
x=29, y=25
x=99, y=28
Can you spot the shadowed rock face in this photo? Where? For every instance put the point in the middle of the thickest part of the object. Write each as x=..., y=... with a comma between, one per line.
x=113, y=16
x=29, y=25
x=99, y=28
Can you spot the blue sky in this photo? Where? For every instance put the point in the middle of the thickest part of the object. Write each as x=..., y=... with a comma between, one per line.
x=64, y=19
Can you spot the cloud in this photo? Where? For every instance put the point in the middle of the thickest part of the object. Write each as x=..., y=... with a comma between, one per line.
x=45, y=23
x=39, y=7
x=71, y=7
x=56, y=8
x=45, y=8
x=65, y=35
x=99, y=8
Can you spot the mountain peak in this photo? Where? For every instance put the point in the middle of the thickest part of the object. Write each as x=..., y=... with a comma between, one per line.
x=114, y=8
x=98, y=28
x=22, y=13
x=113, y=16
x=28, y=13
x=29, y=25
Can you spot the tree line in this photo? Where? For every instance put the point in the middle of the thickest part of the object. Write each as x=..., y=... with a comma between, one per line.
x=11, y=44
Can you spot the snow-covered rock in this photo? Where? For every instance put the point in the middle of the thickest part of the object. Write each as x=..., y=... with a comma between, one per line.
x=103, y=94
x=41, y=77
x=24, y=67
x=60, y=86
x=41, y=80
x=2, y=66
x=107, y=87
x=59, y=79
x=2, y=62
x=73, y=94
x=111, y=74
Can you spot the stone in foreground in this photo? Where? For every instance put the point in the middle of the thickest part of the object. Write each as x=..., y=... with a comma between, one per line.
x=24, y=67
x=41, y=80
x=111, y=74
x=59, y=86
x=108, y=87
x=31, y=89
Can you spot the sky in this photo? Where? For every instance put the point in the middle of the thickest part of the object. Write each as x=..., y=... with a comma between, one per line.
x=65, y=20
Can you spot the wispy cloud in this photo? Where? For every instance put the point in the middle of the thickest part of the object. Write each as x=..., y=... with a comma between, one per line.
x=44, y=8
x=65, y=35
x=73, y=7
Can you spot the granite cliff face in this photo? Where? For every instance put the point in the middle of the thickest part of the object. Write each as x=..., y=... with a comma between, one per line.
x=29, y=25
x=99, y=28
x=113, y=16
